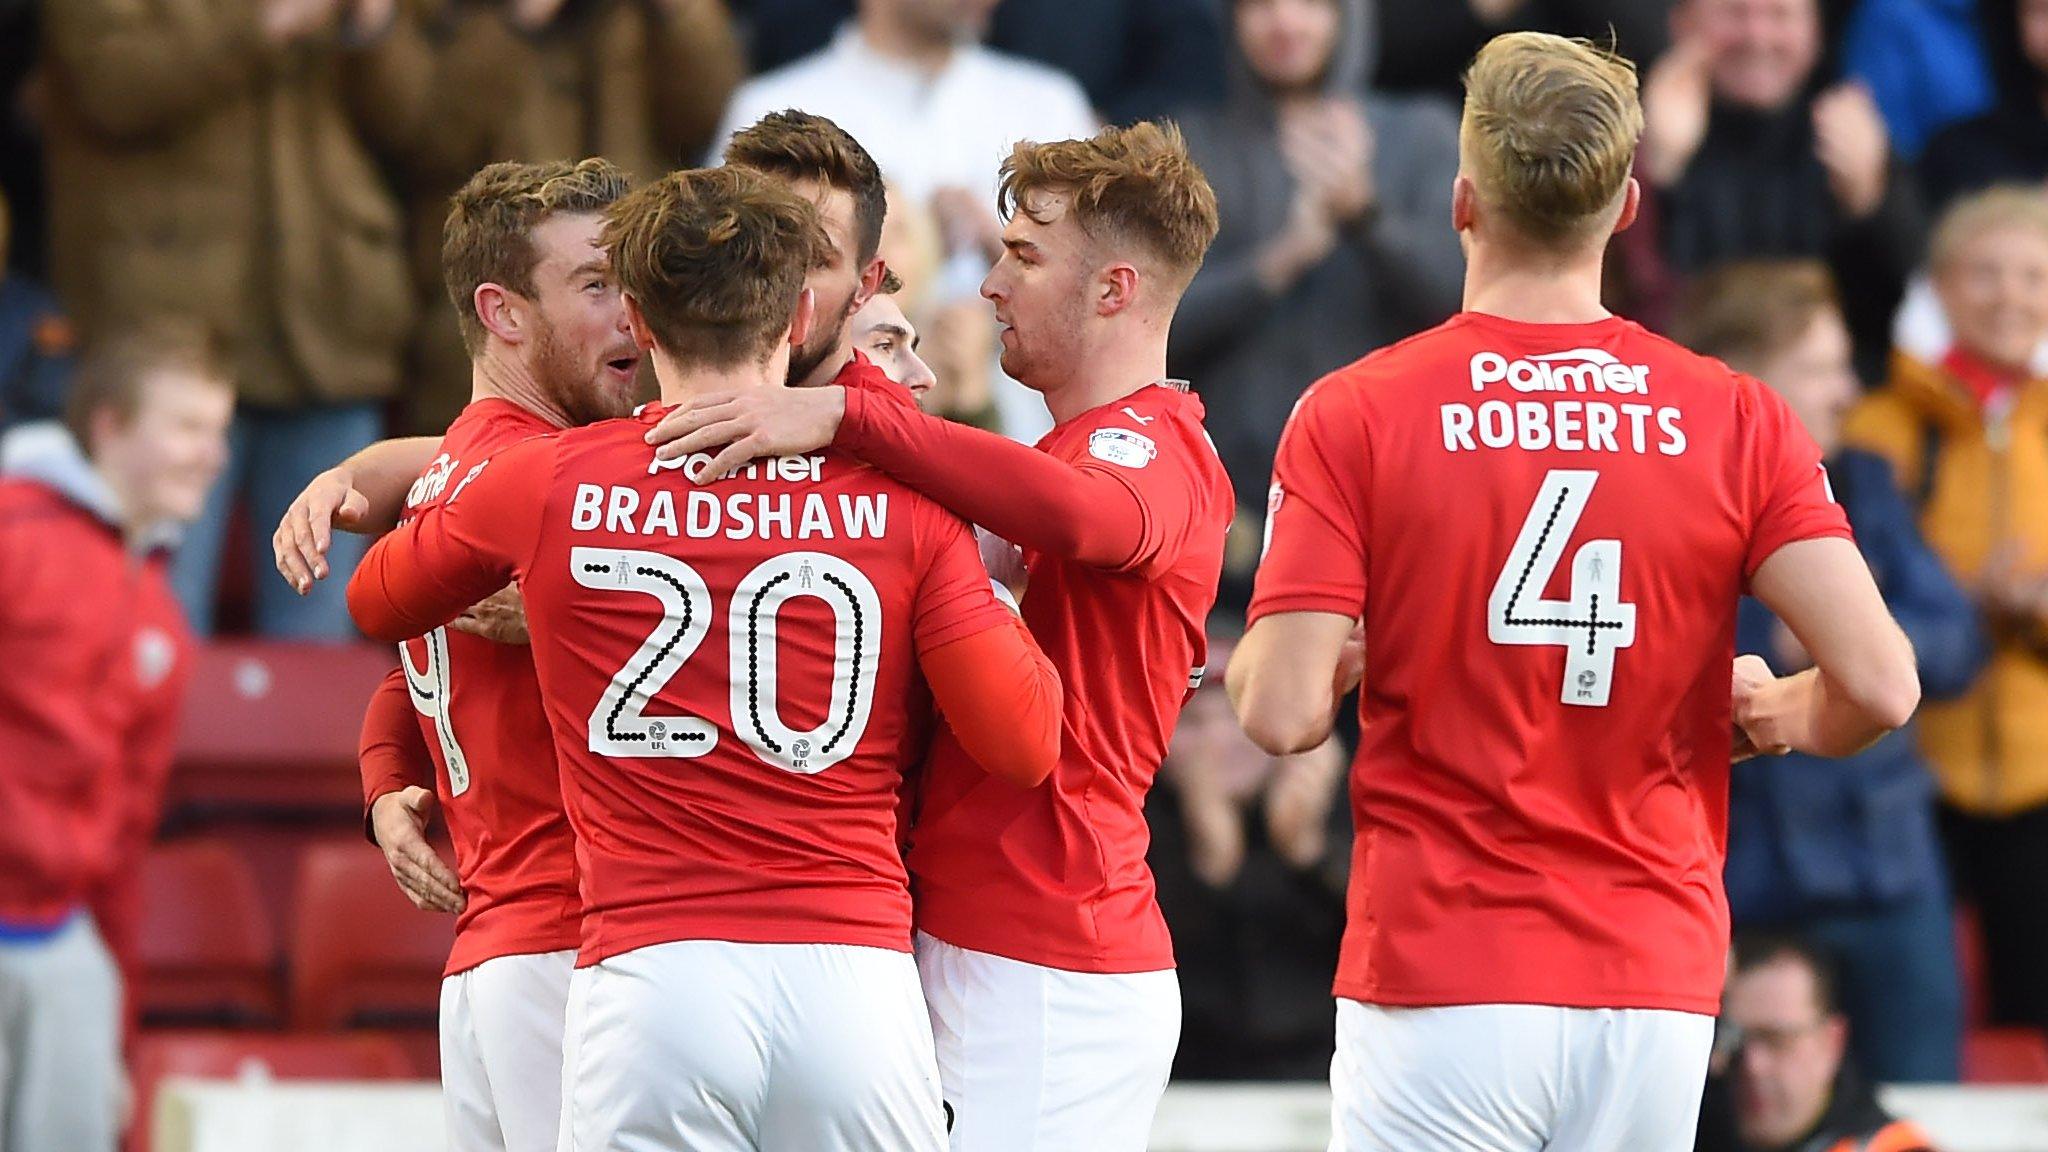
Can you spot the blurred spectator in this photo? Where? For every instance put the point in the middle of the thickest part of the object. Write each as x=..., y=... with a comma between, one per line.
x=2008, y=144
x=461, y=84
x=1336, y=236
x=1747, y=161
x=1135, y=58
x=21, y=151
x=1427, y=48
x=1968, y=436
x=1924, y=63
x=1781, y=1083
x=1846, y=850
x=958, y=334
x=911, y=81
x=205, y=165
x=1251, y=854
x=86, y=736
x=35, y=344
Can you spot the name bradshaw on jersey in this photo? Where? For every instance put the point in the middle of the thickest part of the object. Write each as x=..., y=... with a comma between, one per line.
x=1568, y=425
x=703, y=515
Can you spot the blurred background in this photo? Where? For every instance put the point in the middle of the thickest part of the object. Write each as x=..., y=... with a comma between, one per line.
x=1845, y=198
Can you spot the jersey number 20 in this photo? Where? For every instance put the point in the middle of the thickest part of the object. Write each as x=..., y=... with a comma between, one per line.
x=1594, y=623
x=620, y=726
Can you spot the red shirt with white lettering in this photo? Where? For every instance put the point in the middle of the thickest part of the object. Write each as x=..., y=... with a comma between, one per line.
x=1056, y=875
x=730, y=671
x=478, y=707
x=1546, y=529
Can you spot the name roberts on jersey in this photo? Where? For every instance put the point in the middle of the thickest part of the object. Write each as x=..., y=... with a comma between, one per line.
x=1568, y=425
x=703, y=515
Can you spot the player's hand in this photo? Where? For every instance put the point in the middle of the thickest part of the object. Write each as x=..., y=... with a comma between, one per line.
x=303, y=536
x=1677, y=103
x=744, y=426
x=1849, y=138
x=1753, y=735
x=501, y=618
x=399, y=822
x=1003, y=560
x=1350, y=663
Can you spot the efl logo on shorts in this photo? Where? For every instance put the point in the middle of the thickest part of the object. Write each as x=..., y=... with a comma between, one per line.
x=1579, y=370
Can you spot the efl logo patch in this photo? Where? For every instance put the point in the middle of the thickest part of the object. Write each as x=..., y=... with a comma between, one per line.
x=1122, y=447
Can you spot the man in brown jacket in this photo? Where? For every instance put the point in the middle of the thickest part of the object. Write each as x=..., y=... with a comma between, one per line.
x=205, y=163
x=461, y=84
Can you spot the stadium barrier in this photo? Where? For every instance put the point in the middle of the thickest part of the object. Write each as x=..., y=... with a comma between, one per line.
x=259, y=1115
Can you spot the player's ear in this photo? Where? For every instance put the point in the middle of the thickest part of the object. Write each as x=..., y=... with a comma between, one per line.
x=1116, y=289
x=1631, y=203
x=1464, y=203
x=495, y=311
x=636, y=323
x=870, y=283
x=800, y=320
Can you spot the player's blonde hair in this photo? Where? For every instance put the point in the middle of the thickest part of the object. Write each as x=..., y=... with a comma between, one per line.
x=1549, y=133
x=2006, y=206
x=1132, y=185
x=715, y=259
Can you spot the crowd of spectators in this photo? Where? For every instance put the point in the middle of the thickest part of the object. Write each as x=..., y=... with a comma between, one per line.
x=1846, y=198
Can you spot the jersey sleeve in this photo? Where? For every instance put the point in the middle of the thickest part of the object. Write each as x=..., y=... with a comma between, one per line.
x=392, y=751
x=1790, y=497
x=1163, y=485
x=1316, y=512
x=954, y=599
x=452, y=555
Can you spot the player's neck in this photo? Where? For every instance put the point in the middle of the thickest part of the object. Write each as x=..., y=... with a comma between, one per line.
x=1134, y=359
x=499, y=374
x=828, y=369
x=1514, y=286
x=681, y=384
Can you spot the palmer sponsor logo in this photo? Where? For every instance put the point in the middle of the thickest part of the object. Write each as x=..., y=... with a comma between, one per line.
x=1576, y=370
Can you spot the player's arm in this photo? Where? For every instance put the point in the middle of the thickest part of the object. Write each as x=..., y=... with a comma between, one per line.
x=1863, y=683
x=1019, y=493
x=996, y=689
x=1304, y=649
x=364, y=493
x=398, y=797
x=458, y=552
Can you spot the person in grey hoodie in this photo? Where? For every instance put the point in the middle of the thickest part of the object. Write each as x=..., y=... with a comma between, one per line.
x=1335, y=204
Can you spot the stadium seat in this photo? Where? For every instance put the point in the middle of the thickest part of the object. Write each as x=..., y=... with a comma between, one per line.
x=1970, y=965
x=208, y=946
x=233, y=1055
x=274, y=725
x=2005, y=1056
x=361, y=954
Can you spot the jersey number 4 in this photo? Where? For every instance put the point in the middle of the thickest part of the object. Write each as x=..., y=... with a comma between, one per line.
x=1594, y=623
x=620, y=726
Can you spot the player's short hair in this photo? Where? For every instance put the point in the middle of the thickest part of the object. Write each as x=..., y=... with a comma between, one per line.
x=488, y=236
x=1134, y=185
x=714, y=259
x=891, y=283
x=2005, y=206
x=113, y=371
x=1754, y=950
x=1746, y=312
x=1549, y=133
x=793, y=145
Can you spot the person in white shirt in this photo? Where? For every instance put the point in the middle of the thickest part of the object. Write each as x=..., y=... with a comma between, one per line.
x=939, y=111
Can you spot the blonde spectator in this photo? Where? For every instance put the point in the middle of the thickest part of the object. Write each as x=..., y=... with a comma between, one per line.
x=1968, y=435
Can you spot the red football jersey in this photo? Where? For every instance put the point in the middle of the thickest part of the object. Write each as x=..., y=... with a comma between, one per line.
x=478, y=706
x=1546, y=529
x=1056, y=875
x=730, y=672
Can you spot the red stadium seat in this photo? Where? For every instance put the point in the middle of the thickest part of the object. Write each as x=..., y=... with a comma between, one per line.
x=208, y=946
x=361, y=954
x=2005, y=1056
x=232, y=1055
x=274, y=725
